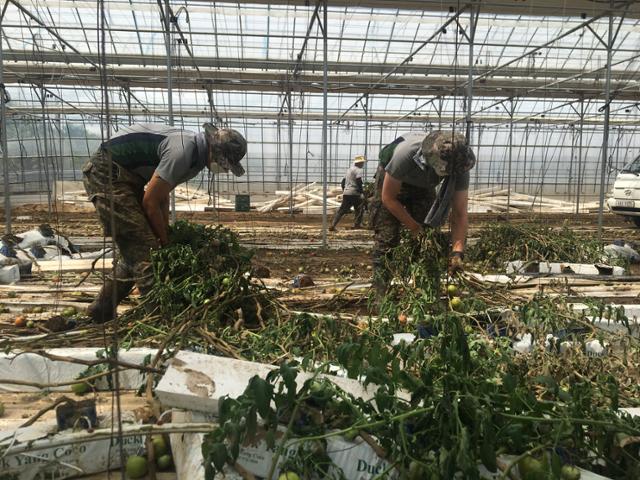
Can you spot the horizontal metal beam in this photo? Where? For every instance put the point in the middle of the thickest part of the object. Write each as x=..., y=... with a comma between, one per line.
x=259, y=81
x=38, y=58
x=313, y=116
x=547, y=8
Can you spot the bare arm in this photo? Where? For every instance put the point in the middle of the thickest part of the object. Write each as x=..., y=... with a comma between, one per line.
x=155, y=204
x=390, y=190
x=459, y=220
x=165, y=211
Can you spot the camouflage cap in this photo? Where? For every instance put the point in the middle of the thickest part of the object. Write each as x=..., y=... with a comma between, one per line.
x=447, y=152
x=228, y=147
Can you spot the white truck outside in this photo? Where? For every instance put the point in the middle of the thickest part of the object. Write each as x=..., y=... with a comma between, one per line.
x=626, y=192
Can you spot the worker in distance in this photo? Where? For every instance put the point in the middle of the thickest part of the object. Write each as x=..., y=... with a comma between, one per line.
x=352, y=194
x=135, y=171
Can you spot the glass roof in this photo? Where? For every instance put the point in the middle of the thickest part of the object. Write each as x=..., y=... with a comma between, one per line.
x=390, y=70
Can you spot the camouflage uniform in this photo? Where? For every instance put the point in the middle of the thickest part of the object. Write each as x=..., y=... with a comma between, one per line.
x=131, y=230
x=444, y=154
x=387, y=227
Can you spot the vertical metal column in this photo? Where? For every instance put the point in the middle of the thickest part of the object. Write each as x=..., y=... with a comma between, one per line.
x=3, y=145
x=473, y=20
x=325, y=91
x=278, y=152
x=511, y=111
x=128, y=97
x=579, y=179
x=290, y=119
x=571, y=159
x=167, y=41
x=607, y=111
x=366, y=133
x=45, y=140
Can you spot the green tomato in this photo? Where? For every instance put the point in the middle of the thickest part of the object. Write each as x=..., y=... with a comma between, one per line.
x=416, y=471
x=69, y=312
x=80, y=388
x=569, y=472
x=456, y=304
x=165, y=462
x=226, y=281
x=160, y=446
x=289, y=476
x=531, y=469
x=136, y=466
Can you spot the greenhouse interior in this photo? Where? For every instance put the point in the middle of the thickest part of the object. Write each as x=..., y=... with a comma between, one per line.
x=320, y=239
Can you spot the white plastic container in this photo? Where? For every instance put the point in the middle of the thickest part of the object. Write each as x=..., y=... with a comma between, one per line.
x=9, y=274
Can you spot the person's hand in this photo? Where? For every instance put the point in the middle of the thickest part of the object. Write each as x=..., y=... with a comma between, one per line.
x=416, y=230
x=456, y=263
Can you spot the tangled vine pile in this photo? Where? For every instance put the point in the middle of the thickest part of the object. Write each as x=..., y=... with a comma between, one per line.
x=499, y=243
x=442, y=405
x=458, y=396
x=206, y=300
x=203, y=284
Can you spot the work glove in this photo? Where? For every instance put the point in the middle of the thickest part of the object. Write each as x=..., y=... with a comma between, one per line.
x=456, y=263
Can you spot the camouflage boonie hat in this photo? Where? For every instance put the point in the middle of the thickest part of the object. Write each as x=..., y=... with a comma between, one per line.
x=447, y=152
x=231, y=148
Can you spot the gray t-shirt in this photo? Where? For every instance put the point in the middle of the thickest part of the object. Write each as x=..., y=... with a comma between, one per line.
x=403, y=166
x=173, y=154
x=351, y=180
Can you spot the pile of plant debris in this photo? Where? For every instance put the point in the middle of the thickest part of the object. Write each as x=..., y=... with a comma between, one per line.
x=503, y=242
x=459, y=395
x=203, y=284
x=442, y=406
x=206, y=300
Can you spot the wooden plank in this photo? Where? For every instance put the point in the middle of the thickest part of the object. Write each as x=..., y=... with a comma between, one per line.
x=72, y=265
x=47, y=289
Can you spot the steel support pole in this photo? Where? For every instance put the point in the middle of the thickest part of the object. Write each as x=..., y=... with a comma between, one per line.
x=571, y=161
x=5, y=153
x=129, y=115
x=290, y=121
x=605, y=133
x=45, y=149
x=167, y=41
x=511, y=111
x=325, y=121
x=366, y=133
x=579, y=180
x=473, y=20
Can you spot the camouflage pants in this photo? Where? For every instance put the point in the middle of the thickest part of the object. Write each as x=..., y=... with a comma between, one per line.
x=387, y=228
x=131, y=230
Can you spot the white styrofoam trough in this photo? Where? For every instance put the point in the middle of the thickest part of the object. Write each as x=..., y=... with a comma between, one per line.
x=195, y=381
x=39, y=451
x=38, y=369
x=522, y=267
x=356, y=459
x=632, y=312
x=9, y=274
